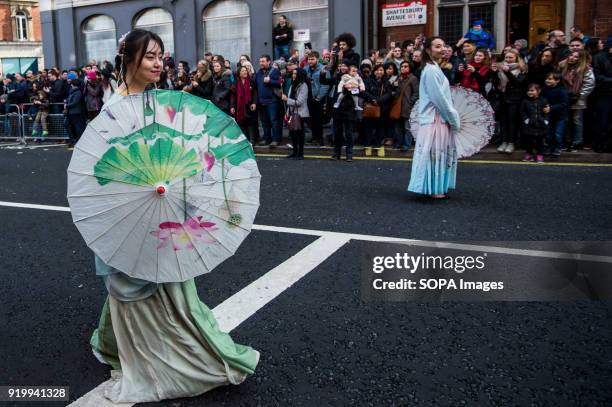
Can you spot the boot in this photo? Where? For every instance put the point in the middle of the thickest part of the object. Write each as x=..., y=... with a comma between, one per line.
x=294, y=146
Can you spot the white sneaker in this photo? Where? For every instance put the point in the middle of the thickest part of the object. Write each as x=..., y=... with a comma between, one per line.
x=502, y=147
x=510, y=148
x=359, y=108
x=336, y=105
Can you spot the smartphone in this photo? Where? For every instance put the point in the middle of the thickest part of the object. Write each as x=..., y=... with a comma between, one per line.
x=308, y=45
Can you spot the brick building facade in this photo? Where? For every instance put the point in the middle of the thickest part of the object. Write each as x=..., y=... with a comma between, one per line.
x=506, y=19
x=20, y=36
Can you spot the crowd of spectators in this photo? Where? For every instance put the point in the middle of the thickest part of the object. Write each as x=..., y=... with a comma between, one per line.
x=550, y=98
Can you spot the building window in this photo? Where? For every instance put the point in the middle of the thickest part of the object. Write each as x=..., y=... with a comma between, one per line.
x=160, y=22
x=21, y=23
x=451, y=24
x=100, y=40
x=21, y=65
x=483, y=12
x=227, y=29
x=310, y=15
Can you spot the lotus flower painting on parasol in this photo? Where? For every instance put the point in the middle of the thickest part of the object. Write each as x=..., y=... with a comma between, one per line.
x=163, y=186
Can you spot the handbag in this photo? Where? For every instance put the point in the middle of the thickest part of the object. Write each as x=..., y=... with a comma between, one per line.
x=293, y=120
x=396, y=108
x=371, y=110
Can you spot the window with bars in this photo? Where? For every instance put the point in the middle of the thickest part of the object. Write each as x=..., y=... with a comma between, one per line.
x=99, y=38
x=450, y=24
x=160, y=22
x=306, y=14
x=227, y=29
x=483, y=12
x=450, y=17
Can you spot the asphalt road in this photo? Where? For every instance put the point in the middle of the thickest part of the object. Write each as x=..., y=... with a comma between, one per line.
x=321, y=344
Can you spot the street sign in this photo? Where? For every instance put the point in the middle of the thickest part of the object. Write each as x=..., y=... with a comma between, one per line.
x=407, y=13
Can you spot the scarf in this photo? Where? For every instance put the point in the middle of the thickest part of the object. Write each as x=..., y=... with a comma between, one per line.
x=243, y=91
x=468, y=81
x=503, y=78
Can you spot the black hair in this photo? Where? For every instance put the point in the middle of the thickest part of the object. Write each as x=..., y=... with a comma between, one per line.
x=404, y=62
x=578, y=29
x=266, y=56
x=407, y=42
x=592, y=45
x=555, y=75
x=133, y=49
x=314, y=54
x=348, y=38
x=575, y=40
x=538, y=60
x=302, y=77
x=425, y=57
x=185, y=65
x=392, y=65
x=534, y=86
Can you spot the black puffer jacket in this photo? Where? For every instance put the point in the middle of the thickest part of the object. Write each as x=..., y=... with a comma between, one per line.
x=535, y=121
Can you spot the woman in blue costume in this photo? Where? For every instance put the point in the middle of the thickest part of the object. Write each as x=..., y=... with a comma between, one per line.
x=434, y=164
x=165, y=341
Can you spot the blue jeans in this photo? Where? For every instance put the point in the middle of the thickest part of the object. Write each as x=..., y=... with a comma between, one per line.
x=406, y=134
x=554, y=138
x=271, y=123
x=281, y=51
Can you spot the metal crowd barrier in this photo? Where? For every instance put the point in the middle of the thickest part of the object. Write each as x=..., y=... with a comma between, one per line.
x=55, y=123
x=11, y=128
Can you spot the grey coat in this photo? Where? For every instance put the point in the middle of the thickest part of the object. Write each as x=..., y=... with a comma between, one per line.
x=301, y=101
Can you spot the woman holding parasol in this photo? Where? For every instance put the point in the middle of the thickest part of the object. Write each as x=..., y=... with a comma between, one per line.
x=434, y=165
x=165, y=341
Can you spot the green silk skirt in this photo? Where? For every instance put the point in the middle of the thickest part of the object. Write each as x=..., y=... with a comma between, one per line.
x=168, y=346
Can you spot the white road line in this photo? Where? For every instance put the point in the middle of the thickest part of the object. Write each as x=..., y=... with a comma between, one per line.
x=391, y=239
x=29, y=147
x=34, y=206
x=95, y=397
x=246, y=302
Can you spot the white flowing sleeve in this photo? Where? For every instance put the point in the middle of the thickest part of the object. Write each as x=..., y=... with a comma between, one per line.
x=434, y=84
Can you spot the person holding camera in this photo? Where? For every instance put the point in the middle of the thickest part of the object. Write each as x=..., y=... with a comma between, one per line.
x=342, y=51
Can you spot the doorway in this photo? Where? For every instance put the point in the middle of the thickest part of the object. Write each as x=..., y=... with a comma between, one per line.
x=518, y=21
x=533, y=19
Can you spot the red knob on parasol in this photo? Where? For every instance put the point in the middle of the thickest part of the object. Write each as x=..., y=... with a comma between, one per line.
x=161, y=190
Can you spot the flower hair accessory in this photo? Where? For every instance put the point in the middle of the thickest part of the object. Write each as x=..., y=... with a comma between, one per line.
x=121, y=47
